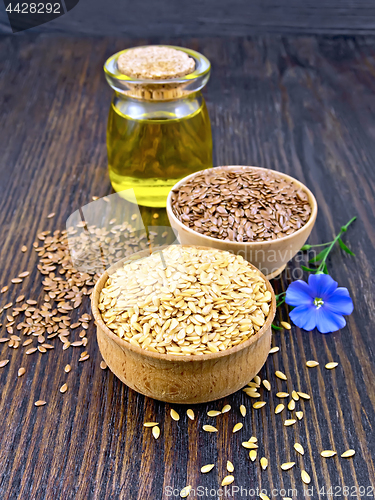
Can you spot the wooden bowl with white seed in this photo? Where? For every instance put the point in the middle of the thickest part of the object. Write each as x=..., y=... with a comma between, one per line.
x=182, y=379
x=270, y=256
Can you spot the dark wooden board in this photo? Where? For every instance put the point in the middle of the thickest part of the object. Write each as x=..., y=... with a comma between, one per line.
x=208, y=18
x=305, y=106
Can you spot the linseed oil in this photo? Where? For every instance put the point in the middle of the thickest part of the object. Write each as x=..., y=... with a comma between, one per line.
x=149, y=155
x=156, y=133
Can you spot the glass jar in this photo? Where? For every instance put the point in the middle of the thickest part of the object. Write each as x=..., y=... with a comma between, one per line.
x=158, y=131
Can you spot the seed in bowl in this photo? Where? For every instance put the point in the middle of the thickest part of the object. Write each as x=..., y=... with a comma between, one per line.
x=185, y=301
x=241, y=205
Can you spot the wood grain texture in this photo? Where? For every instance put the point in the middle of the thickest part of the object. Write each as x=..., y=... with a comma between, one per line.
x=209, y=18
x=304, y=106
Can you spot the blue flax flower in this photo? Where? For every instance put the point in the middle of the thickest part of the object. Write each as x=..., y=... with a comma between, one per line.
x=319, y=303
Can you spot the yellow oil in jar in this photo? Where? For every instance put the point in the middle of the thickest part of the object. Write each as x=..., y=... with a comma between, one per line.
x=151, y=146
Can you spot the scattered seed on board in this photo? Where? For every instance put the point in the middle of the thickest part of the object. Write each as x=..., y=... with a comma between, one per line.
x=257, y=379
x=274, y=349
x=4, y=289
x=252, y=393
x=303, y=395
x=282, y=395
x=31, y=350
x=348, y=454
x=84, y=358
x=24, y=248
x=213, y=413
x=285, y=324
x=227, y=480
x=51, y=215
x=263, y=496
x=150, y=424
x=4, y=339
x=230, y=466
x=209, y=428
x=253, y=439
x=259, y=404
x=253, y=455
x=67, y=368
x=40, y=403
x=280, y=375
x=253, y=385
x=4, y=362
x=266, y=384
x=287, y=465
x=291, y=405
x=21, y=372
x=264, y=463
x=24, y=274
x=175, y=415
x=331, y=366
x=207, y=468
x=279, y=408
x=156, y=431
x=226, y=408
x=103, y=365
x=63, y=388
x=311, y=363
x=328, y=453
x=305, y=477
x=299, y=448
x=250, y=446
x=190, y=414
x=185, y=492
x=299, y=415
x=243, y=410
x=237, y=427
x=289, y=422
x=295, y=396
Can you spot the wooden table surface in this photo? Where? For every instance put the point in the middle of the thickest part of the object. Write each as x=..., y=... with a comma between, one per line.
x=304, y=106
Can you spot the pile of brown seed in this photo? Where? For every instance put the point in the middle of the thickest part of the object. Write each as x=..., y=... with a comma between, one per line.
x=94, y=249
x=58, y=311
x=241, y=205
x=185, y=300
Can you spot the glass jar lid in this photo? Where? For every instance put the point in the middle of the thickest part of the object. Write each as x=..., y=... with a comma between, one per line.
x=157, y=79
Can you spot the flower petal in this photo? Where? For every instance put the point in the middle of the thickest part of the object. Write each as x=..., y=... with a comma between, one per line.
x=298, y=293
x=322, y=285
x=340, y=302
x=328, y=321
x=304, y=316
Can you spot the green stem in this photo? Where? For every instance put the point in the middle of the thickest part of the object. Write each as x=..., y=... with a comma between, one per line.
x=331, y=245
x=321, y=245
x=279, y=302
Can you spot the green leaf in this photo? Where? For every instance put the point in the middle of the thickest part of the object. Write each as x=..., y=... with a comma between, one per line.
x=275, y=327
x=345, y=248
x=321, y=255
x=308, y=269
x=325, y=270
x=305, y=247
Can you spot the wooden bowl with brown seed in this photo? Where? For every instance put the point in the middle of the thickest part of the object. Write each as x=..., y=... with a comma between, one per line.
x=178, y=378
x=264, y=215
